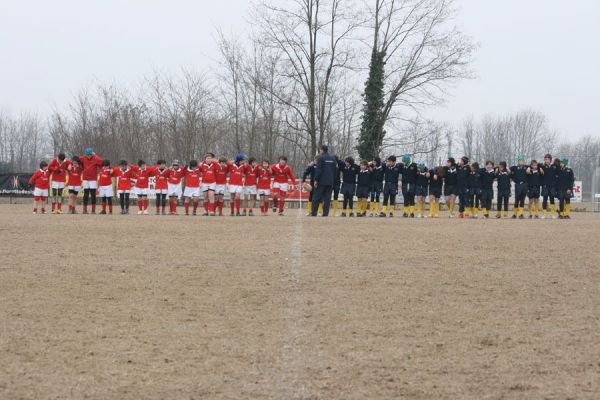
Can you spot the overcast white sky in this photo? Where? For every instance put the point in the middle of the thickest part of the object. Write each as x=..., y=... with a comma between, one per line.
x=540, y=54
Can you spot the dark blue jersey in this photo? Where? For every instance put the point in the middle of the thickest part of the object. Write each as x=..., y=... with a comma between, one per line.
x=503, y=180
x=534, y=178
x=377, y=174
x=422, y=179
x=474, y=181
x=487, y=178
x=409, y=173
x=363, y=178
x=435, y=181
x=462, y=176
x=450, y=176
x=349, y=173
x=309, y=173
x=566, y=179
x=518, y=173
x=550, y=176
x=391, y=174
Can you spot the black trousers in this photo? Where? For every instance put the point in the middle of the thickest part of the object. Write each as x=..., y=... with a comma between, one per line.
x=321, y=193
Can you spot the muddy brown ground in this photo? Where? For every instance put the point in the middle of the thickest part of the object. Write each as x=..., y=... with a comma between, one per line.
x=145, y=307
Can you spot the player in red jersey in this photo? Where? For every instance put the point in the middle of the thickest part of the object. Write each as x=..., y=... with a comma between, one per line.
x=142, y=176
x=161, y=174
x=264, y=174
x=176, y=174
x=236, y=171
x=90, y=162
x=249, y=186
x=282, y=174
x=41, y=178
x=124, y=176
x=192, y=186
x=220, y=184
x=209, y=167
x=74, y=182
x=58, y=168
x=105, y=186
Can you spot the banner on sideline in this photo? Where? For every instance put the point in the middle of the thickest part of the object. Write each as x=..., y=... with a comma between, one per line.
x=578, y=192
x=15, y=185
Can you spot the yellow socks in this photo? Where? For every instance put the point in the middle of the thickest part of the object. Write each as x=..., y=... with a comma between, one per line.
x=320, y=208
x=568, y=210
x=309, y=207
x=392, y=209
x=384, y=209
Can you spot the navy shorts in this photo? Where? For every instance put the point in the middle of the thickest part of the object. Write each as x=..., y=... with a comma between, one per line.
x=348, y=189
x=450, y=190
x=390, y=188
x=421, y=191
x=487, y=194
x=521, y=189
x=362, y=192
x=435, y=192
x=533, y=192
x=409, y=188
x=376, y=187
x=548, y=191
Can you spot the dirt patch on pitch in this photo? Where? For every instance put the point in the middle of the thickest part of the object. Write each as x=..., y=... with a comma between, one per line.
x=174, y=307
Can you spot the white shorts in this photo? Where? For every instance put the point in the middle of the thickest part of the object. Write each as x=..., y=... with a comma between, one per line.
x=123, y=191
x=174, y=190
x=160, y=191
x=236, y=189
x=140, y=191
x=90, y=184
x=40, y=192
x=191, y=192
x=205, y=187
x=264, y=192
x=280, y=187
x=75, y=189
x=249, y=190
x=219, y=189
x=58, y=185
x=106, y=191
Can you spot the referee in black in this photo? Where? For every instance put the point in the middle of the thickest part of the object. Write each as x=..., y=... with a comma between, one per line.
x=324, y=177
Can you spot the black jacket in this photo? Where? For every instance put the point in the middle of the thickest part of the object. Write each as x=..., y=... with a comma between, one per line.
x=325, y=170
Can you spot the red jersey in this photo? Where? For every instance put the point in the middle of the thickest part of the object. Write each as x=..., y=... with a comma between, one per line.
x=192, y=177
x=264, y=177
x=175, y=175
x=250, y=173
x=106, y=175
x=41, y=179
x=59, y=170
x=142, y=176
x=75, y=175
x=124, y=178
x=161, y=178
x=221, y=175
x=283, y=174
x=209, y=172
x=90, y=167
x=236, y=174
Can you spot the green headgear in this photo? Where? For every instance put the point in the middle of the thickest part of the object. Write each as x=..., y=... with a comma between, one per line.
x=421, y=165
x=520, y=158
x=564, y=160
x=406, y=158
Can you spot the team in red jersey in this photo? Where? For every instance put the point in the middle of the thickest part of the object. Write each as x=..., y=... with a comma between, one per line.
x=176, y=175
x=249, y=186
x=105, y=186
x=282, y=175
x=264, y=174
x=244, y=180
x=41, y=179
x=74, y=183
x=91, y=163
x=58, y=168
x=124, y=175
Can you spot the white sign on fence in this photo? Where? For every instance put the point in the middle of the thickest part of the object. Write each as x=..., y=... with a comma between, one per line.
x=577, y=192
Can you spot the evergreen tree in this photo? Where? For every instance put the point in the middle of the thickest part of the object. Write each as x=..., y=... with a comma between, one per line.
x=371, y=135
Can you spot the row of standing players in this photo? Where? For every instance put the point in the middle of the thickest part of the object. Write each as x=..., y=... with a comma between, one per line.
x=471, y=183
x=246, y=181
